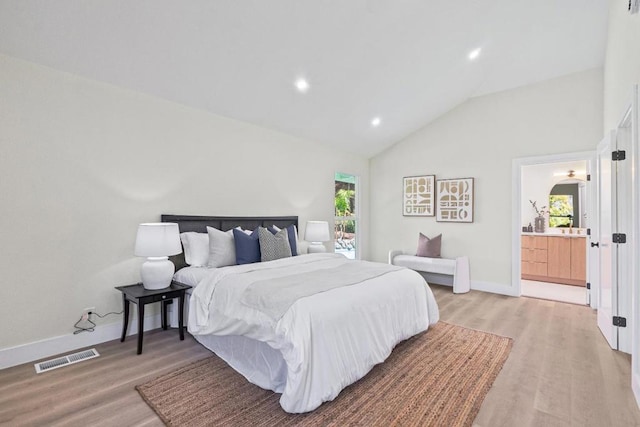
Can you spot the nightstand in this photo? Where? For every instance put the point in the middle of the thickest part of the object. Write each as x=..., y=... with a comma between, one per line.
x=140, y=296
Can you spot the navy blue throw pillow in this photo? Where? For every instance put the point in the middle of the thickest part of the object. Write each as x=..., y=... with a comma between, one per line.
x=247, y=246
x=291, y=234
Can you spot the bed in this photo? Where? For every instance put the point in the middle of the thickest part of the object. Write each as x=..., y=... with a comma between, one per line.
x=304, y=326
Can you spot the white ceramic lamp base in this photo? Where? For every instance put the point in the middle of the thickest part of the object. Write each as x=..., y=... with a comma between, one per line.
x=316, y=248
x=157, y=273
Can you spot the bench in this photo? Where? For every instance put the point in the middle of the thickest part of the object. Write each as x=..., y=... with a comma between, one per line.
x=437, y=270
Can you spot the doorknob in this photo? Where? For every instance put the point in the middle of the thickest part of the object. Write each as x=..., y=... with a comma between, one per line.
x=596, y=244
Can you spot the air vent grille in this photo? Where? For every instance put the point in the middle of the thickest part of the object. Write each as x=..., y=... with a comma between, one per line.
x=69, y=359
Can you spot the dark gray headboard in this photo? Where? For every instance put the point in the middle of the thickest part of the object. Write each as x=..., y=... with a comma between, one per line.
x=224, y=223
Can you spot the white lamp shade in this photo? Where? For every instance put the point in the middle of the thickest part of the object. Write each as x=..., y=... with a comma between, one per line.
x=317, y=231
x=158, y=239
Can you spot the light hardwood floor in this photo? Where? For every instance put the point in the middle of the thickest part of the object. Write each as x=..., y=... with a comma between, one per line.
x=559, y=373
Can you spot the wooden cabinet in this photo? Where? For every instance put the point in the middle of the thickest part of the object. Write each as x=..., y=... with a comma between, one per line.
x=557, y=259
x=534, y=255
x=579, y=259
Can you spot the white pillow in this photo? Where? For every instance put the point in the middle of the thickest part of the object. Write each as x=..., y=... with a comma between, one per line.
x=196, y=248
x=222, y=248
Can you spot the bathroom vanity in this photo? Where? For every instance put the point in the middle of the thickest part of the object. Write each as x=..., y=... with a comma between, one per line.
x=555, y=258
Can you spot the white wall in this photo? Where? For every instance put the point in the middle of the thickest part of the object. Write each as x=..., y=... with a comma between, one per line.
x=479, y=139
x=83, y=163
x=622, y=62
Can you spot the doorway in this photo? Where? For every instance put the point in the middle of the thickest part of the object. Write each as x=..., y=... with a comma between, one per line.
x=346, y=215
x=551, y=205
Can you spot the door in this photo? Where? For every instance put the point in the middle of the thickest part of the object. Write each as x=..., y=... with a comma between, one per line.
x=623, y=172
x=593, y=250
x=579, y=259
x=615, y=197
x=607, y=292
x=635, y=228
x=559, y=257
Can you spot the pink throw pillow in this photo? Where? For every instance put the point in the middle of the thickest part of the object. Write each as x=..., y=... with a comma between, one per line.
x=429, y=248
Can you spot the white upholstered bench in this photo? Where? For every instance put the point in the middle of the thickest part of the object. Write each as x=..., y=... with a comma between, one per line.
x=438, y=270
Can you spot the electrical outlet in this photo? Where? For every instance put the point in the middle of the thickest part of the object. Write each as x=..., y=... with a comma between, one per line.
x=86, y=311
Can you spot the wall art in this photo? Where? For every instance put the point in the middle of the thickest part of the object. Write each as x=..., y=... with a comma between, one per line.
x=454, y=200
x=419, y=196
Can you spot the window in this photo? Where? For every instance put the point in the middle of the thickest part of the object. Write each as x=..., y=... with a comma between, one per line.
x=346, y=219
x=560, y=210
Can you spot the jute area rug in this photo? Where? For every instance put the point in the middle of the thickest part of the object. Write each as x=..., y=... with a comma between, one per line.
x=438, y=378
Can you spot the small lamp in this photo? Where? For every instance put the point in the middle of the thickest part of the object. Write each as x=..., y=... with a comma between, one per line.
x=316, y=232
x=157, y=241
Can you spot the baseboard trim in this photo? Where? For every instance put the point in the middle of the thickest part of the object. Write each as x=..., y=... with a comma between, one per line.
x=30, y=352
x=477, y=285
x=494, y=288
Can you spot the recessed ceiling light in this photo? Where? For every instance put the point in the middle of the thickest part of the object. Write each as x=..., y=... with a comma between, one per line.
x=474, y=54
x=302, y=85
x=375, y=122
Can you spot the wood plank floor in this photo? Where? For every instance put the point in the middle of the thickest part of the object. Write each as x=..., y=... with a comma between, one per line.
x=560, y=372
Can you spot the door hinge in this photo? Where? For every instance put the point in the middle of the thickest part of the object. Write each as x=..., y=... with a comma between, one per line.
x=588, y=232
x=588, y=285
x=619, y=238
x=618, y=155
x=588, y=177
x=620, y=321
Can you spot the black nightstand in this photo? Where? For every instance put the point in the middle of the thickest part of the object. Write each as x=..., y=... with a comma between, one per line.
x=140, y=296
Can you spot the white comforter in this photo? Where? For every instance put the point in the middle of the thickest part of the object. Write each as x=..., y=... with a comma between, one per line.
x=328, y=340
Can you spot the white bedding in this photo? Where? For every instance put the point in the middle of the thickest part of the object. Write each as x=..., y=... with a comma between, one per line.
x=192, y=275
x=323, y=342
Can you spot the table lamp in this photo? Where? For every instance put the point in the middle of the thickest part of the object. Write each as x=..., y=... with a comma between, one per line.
x=316, y=232
x=157, y=241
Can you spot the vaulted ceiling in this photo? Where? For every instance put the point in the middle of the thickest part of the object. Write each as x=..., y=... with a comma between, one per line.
x=404, y=62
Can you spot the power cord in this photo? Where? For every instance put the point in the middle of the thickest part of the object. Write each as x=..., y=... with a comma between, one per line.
x=80, y=329
x=90, y=325
x=105, y=315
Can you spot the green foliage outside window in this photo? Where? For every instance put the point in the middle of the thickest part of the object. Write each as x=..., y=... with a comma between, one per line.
x=343, y=202
x=560, y=210
x=345, y=214
x=350, y=226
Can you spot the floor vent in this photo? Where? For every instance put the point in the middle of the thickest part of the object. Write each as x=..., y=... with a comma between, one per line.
x=69, y=359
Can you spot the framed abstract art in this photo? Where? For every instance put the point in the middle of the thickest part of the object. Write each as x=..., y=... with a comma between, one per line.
x=418, y=195
x=454, y=200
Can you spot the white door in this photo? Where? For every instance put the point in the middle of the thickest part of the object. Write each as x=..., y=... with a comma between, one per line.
x=607, y=291
x=624, y=196
x=635, y=248
x=615, y=198
x=593, y=243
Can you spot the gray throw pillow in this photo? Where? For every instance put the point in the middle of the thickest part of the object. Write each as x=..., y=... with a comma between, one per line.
x=273, y=246
x=222, y=248
x=429, y=248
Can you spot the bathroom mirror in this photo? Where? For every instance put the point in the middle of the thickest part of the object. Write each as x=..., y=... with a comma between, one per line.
x=566, y=204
